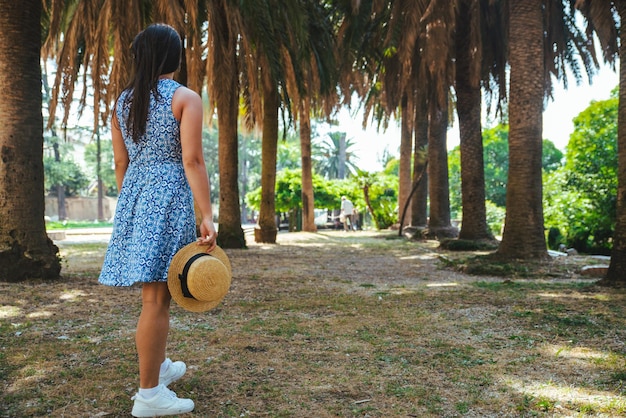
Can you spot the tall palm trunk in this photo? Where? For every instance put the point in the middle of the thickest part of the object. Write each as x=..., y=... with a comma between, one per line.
x=617, y=268
x=406, y=146
x=230, y=232
x=308, y=203
x=341, y=160
x=438, y=184
x=468, y=104
x=266, y=231
x=523, y=235
x=25, y=249
x=419, y=202
x=223, y=67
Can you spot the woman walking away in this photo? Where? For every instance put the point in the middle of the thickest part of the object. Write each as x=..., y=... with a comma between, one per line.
x=159, y=168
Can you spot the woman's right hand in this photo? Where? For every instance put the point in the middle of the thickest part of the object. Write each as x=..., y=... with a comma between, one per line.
x=208, y=234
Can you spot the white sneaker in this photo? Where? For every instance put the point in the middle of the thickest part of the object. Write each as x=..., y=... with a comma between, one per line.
x=175, y=371
x=165, y=402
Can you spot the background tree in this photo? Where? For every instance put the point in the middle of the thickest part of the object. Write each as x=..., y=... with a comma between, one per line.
x=25, y=249
x=289, y=196
x=581, y=198
x=66, y=173
x=481, y=44
x=542, y=36
x=223, y=67
x=378, y=193
x=331, y=153
x=496, y=163
x=317, y=94
x=107, y=172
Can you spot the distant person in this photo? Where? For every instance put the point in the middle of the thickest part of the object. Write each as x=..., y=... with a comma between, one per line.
x=156, y=132
x=347, y=211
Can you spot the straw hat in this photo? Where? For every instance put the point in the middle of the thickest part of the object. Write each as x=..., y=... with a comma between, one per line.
x=207, y=277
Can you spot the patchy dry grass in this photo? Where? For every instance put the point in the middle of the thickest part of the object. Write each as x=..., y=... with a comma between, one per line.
x=324, y=325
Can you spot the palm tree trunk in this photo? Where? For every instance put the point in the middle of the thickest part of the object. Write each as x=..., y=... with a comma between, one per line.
x=523, y=236
x=341, y=163
x=439, y=222
x=60, y=187
x=229, y=219
x=419, y=202
x=267, y=230
x=223, y=69
x=406, y=146
x=617, y=266
x=308, y=203
x=26, y=252
x=468, y=105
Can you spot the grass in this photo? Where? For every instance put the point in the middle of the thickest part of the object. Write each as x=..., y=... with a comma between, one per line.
x=59, y=225
x=326, y=325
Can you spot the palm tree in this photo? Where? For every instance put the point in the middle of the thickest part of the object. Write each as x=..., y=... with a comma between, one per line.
x=419, y=201
x=523, y=235
x=223, y=68
x=334, y=156
x=536, y=30
x=26, y=252
x=469, y=60
x=308, y=198
x=267, y=228
x=273, y=32
x=439, y=30
x=319, y=80
x=617, y=267
x=417, y=67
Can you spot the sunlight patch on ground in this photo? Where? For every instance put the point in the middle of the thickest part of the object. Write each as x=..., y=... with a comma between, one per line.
x=579, y=353
x=561, y=393
x=450, y=284
x=572, y=296
x=267, y=247
x=419, y=257
x=40, y=314
x=8, y=311
x=402, y=291
x=72, y=295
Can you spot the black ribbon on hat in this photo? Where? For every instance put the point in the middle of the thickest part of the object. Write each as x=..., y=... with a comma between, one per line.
x=183, y=276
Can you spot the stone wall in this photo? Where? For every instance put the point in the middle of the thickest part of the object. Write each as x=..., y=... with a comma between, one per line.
x=81, y=208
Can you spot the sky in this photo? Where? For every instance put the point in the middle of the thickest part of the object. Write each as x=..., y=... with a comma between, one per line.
x=557, y=120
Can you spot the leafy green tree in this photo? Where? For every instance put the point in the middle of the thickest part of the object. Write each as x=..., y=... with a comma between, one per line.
x=288, y=155
x=496, y=162
x=379, y=194
x=392, y=167
x=65, y=172
x=581, y=198
x=496, y=149
x=289, y=195
x=107, y=167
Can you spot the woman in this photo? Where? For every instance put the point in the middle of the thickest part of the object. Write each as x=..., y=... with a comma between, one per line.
x=159, y=168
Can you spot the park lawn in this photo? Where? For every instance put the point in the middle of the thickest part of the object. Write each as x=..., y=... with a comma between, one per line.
x=331, y=324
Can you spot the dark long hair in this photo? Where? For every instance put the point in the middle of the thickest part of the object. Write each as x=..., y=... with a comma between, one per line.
x=156, y=50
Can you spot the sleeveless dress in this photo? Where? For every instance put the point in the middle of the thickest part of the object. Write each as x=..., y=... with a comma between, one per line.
x=154, y=217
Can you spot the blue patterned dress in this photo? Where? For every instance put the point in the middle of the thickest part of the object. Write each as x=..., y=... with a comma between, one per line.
x=154, y=217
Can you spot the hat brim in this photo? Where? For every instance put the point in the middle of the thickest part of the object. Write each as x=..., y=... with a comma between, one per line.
x=216, y=273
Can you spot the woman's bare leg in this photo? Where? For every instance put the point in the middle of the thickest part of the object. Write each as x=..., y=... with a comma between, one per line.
x=152, y=329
